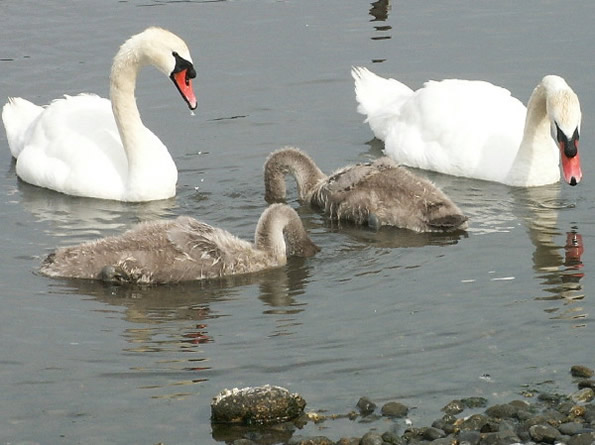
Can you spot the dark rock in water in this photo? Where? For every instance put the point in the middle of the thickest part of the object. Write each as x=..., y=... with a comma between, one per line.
x=583, y=395
x=505, y=411
x=590, y=383
x=244, y=442
x=348, y=441
x=544, y=433
x=394, y=409
x=582, y=439
x=392, y=438
x=316, y=440
x=475, y=402
x=446, y=423
x=256, y=405
x=365, y=406
x=371, y=438
x=571, y=428
x=431, y=433
x=470, y=437
x=474, y=422
x=581, y=371
x=454, y=407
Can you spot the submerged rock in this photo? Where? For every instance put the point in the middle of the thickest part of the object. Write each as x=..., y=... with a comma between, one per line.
x=256, y=405
x=581, y=371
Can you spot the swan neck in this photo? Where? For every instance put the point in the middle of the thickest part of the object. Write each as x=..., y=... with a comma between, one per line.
x=537, y=159
x=269, y=236
x=297, y=163
x=122, y=86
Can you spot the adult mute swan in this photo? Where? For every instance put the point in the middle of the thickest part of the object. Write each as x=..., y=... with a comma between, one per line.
x=379, y=193
x=86, y=146
x=476, y=129
x=183, y=249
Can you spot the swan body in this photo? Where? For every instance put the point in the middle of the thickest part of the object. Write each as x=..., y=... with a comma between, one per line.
x=90, y=146
x=183, y=249
x=475, y=129
x=379, y=193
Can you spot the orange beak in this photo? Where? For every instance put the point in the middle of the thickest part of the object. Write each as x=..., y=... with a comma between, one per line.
x=183, y=81
x=571, y=167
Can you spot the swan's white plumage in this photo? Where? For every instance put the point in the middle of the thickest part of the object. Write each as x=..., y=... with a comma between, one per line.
x=74, y=146
x=460, y=127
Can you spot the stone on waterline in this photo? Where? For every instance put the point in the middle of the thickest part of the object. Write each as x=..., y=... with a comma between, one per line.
x=256, y=405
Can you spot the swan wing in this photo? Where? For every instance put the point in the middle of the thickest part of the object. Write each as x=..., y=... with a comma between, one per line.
x=458, y=127
x=74, y=145
x=209, y=247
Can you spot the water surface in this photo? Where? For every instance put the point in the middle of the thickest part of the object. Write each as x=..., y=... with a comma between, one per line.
x=391, y=315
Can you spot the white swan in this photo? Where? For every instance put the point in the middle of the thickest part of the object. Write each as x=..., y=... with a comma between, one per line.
x=476, y=129
x=184, y=249
x=376, y=194
x=86, y=146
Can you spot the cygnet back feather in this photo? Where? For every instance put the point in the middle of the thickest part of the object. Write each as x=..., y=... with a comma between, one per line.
x=378, y=193
x=183, y=249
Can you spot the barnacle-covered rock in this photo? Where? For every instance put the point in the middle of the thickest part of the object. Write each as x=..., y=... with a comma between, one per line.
x=256, y=405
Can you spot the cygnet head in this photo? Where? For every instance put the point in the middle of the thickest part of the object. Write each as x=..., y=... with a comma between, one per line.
x=564, y=110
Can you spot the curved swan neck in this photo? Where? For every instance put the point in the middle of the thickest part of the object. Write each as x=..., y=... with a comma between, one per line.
x=126, y=64
x=280, y=233
x=537, y=159
x=295, y=162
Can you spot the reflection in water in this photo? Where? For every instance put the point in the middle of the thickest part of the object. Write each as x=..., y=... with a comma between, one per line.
x=77, y=219
x=172, y=321
x=379, y=11
x=496, y=208
x=556, y=265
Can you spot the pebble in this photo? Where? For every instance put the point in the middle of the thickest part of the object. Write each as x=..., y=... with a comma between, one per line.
x=581, y=371
x=365, y=406
x=542, y=419
x=394, y=409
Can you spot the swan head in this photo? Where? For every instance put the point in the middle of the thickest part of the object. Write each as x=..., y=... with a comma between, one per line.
x=564, y=111
x=169, y=54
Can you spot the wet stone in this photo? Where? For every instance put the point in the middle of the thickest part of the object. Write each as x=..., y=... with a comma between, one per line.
x=582, y=439
x=499, y=438
x=443, y=441
x=431, y=433
x=544, y=433
x=571, y=428
x=587, y=383
x=475, y=402
x=371, y=439
x=583, y=395
x=454, y=407
x=505, y=411
x=365, y=406
x=256, y=405
x=474, y=422
x=348, y=441
x=581, y=371
x=394, y=409
x=469, y=437
x=446, y=423
x=392, y=438
x=315, y=440
x=243, y=442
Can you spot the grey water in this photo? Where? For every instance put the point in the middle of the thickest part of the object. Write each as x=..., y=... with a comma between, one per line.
x=391, y=315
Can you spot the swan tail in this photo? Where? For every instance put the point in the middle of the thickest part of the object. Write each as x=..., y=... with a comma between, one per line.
x=379, y=99
x=17, y=115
